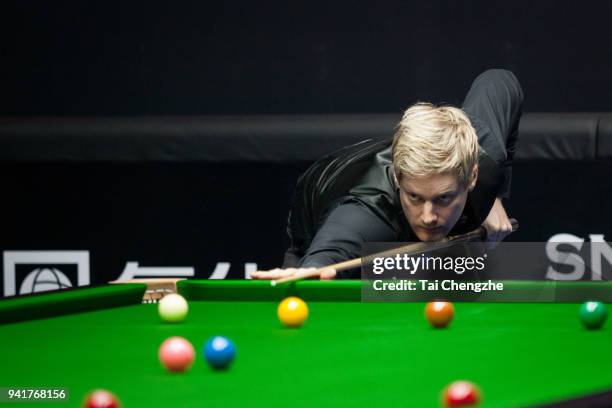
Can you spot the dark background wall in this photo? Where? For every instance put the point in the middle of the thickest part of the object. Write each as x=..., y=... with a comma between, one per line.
x=139, y=58
x=76, y=58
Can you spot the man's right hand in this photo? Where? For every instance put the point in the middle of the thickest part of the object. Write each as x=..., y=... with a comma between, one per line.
x=323, y=274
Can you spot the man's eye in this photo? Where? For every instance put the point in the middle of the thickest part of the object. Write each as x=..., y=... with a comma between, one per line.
x=444, y=199
x=413, y=197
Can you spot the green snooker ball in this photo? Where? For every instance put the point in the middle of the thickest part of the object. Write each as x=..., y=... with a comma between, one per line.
x=593, y=314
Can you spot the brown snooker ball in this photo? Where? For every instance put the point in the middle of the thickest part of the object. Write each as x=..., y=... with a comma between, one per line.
x=439, y=314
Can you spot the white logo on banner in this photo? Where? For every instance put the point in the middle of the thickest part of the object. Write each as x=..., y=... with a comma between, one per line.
x=43, y=278
x=599, y=249
x=132, y=270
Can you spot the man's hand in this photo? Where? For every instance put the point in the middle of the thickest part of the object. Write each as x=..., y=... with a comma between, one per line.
x=323, y=274
x=497, y=224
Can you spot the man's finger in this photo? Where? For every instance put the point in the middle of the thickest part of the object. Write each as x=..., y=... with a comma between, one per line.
x=262, y=274
x=328, y=274
x=273, y=274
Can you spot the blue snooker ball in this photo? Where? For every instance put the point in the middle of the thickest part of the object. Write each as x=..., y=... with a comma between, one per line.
x=219, y=351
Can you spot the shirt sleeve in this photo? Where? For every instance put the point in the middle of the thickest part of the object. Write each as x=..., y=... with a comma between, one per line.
x=494, y=104
x=340, y=236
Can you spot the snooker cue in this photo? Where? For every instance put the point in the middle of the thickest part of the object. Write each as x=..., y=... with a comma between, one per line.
x=479, y=234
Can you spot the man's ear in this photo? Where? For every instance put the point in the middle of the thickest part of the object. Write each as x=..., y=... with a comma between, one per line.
x=396, y=180
x=473, y=178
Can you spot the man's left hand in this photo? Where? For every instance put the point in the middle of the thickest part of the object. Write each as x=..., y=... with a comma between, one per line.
x=323, y=273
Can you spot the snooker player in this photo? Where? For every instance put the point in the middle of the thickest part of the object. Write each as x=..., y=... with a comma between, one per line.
x=445, y=172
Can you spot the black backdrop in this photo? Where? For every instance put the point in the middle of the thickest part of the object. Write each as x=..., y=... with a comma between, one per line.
x=74, y=58
x=202, y=214
x=132, y=58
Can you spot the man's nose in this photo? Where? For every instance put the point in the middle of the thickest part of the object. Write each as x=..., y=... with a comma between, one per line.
x=429, y=215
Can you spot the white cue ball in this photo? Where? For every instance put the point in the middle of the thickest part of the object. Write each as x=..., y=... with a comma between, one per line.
x=173, y=308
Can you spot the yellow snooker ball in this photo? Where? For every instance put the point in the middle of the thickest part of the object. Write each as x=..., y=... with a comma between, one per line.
x=173, y=308
x=292, y=311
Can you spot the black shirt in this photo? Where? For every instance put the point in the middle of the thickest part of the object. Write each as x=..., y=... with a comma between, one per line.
x=370, y=211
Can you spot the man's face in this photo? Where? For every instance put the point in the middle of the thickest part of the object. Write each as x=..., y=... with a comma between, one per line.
x=433, y=204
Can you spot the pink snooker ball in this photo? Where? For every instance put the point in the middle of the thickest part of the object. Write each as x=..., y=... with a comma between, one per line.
x=176, y=354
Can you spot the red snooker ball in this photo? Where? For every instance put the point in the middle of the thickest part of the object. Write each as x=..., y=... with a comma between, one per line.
x=176, y=354
x=461, y=394
x=101, y=399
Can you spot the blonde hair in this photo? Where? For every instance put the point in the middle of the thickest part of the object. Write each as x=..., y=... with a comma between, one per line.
x=434, y=140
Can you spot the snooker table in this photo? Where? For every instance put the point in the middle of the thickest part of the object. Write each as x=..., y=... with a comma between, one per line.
x=349, y=353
